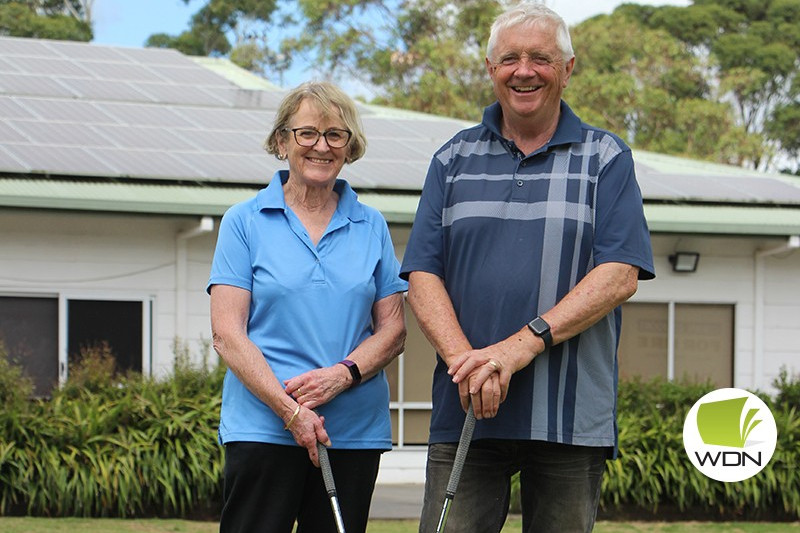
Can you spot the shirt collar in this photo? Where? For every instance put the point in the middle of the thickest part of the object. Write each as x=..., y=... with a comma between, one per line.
x=271, y=197
x=568, y=130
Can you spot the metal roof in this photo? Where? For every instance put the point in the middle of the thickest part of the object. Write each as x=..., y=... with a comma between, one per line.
x=77, y=109
x=102, y=128
x=167, y=199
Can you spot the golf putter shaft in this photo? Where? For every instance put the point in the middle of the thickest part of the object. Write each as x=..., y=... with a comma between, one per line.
x=458, y=466
x=330, y=487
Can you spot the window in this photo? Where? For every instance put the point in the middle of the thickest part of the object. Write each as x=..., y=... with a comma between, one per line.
x=92, y=322
x=30, y=326
x=410, y=377
x=691, y=342
x=29, y=332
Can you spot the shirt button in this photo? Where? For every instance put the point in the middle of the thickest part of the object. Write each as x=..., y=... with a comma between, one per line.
x=519, y=183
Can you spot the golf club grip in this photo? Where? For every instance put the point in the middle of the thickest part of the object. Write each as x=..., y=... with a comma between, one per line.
x=325, y=466
x=461, y=451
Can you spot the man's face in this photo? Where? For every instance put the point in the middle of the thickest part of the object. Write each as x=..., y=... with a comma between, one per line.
x=528, y=71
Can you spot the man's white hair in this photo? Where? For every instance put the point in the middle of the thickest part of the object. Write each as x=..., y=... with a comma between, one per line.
x=533, y=13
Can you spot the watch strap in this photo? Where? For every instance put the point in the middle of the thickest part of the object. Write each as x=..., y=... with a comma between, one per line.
x=354, y=371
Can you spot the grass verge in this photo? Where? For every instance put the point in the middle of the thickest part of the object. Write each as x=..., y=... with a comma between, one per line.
x=100, y=525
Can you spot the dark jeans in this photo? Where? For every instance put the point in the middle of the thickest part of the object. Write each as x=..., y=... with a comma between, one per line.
x=268, y=487
x=559, y=486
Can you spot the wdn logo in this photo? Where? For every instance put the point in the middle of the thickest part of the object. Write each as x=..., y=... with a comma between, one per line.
x=729, y=435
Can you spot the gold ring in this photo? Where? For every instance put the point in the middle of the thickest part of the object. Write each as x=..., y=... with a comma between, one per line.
x=494, y=364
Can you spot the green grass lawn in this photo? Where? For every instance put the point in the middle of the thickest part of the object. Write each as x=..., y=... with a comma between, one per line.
x=71, y=525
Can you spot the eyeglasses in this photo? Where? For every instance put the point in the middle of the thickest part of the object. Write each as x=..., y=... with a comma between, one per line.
x=514, y=60
x=308, y=137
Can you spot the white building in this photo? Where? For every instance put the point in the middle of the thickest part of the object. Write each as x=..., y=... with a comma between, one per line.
x=117, y=163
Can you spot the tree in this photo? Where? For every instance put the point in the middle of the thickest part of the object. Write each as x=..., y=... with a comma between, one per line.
x=214, y=22
x=715, y=80
x=47, y=19
x=753, y=53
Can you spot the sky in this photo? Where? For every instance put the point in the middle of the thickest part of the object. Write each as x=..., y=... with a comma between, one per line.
x=130, y=22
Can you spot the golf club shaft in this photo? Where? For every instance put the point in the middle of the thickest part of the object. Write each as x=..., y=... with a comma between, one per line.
x=330, y=487
x=458, y=466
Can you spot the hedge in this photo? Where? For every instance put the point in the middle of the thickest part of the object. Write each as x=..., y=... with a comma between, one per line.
x=110, y=446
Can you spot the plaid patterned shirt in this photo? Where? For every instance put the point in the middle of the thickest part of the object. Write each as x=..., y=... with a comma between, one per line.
x=511, y=235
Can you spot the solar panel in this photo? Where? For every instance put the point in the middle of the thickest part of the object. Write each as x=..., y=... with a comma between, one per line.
x=82, y=109
x=9, y=134
x=92, y=89
x=9, y=163
x=222, y=141
x=222, y=119
x=190, y=74
x=136, y=137
x=151, y=163
x=6, y=66
x=56, y=133
x=10, y=109
x=48, y=66
x=154, y=56
x=246, y=98
x=61, y=160
x=32, y=85
x=143, y=114
x=83, y=51
x=178, y=94
x=107, y=70
x=23, y=47
x=235, y=168
x=381, y=148
x=64, y=110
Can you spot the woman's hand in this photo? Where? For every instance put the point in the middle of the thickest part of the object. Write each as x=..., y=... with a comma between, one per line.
x=319, y=386
x=307, y=428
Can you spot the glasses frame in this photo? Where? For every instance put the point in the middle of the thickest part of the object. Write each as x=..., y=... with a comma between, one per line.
x=320, y=134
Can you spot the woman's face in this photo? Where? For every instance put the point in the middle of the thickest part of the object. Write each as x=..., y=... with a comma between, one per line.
x=316, y=165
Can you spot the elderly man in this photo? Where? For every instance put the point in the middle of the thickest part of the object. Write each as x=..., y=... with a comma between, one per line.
x=530, y=233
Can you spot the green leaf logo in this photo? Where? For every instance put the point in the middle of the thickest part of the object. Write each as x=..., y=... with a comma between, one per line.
x=720, y=423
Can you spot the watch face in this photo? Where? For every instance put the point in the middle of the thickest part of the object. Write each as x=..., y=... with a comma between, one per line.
x=539, y=326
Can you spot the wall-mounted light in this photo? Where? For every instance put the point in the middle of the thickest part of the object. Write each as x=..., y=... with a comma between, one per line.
x=684, y=261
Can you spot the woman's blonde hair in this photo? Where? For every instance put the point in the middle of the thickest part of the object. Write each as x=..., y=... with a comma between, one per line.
x=330, y=100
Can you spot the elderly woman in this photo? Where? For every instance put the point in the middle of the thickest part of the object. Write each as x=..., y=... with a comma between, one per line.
x=306, y=311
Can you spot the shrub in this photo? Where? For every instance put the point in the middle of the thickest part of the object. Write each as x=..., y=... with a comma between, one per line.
x=653, y=478
x=15, y=387
x=119, y=446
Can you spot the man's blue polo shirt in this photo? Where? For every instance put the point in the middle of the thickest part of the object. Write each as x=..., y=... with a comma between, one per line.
x=310, y=307
x=511, y=235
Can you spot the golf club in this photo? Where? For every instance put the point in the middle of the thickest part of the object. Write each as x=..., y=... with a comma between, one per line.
x=327, y=477
x=458, y=465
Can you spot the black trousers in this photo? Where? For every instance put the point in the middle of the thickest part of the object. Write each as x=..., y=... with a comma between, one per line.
x=269, y=487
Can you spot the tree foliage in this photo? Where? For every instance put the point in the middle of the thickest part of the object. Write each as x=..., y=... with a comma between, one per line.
x=715, y=80
x=215, y=22
x=751, y=50
x=68, y=20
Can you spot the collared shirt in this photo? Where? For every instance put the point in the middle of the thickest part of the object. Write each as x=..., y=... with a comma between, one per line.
x=310, y=307
x=511, y=234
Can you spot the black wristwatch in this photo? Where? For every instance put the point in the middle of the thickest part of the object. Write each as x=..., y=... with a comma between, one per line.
x=541, y=329
x=354, y=371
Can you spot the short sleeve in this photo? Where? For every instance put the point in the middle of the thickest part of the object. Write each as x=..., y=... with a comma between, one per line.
x=387, y=273
x=231, y=264
x=425, y=250
x=621, y=233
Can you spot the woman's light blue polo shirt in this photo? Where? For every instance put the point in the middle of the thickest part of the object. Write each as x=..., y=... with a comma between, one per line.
x=310, y=307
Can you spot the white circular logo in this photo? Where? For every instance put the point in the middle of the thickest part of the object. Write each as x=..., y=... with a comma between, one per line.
x=730, y=435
